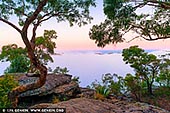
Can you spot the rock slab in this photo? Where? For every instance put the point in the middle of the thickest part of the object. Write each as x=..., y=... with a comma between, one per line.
x=85, y=105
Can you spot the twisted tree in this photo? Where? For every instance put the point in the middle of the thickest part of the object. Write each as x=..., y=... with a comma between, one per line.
x=31, y=14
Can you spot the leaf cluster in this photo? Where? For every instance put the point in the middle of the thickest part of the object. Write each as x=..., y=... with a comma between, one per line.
x=45, y=45
x=111, y=84
x=140, y=60
x=123, y=16
x=133, y=86
x=59, y=70
x=17, y=56
x=74, y=11
x=7, y=83
x=11, y=51
x=20, y=64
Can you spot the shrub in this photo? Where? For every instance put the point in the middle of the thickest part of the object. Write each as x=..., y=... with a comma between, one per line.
x=102, y=92
x=20, y=64
x=7, y=83
x=111, y=84
x=164, y=78
x=133, y=86
x=59, y=70
x=76, y=79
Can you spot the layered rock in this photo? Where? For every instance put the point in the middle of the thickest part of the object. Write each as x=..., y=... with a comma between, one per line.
x=52, y=82
x=56, y=85
x=84, y=105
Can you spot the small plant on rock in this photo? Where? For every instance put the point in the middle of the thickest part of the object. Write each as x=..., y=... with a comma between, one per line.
x=59, y=70
x=76, y=79
x=7, y=83
x=102, y=92
x=55, y=100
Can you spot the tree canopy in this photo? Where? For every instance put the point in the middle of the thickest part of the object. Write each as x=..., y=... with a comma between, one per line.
x=146, y=66
x=125, y=16
x=31, y=14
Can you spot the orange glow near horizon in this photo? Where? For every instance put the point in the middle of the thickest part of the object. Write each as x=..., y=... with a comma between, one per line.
x=75, y=38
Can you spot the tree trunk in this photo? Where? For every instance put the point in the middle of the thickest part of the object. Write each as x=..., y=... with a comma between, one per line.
x=13, y=95
x=149, y=87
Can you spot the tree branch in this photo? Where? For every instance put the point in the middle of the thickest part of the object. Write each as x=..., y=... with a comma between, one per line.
x=34, y=35
x=39, y=21
x=165, y=5
x=137, y=26
x=11, y=24
x=35, y=14
x=155, y=3
x=25, y=29
x=166, y=37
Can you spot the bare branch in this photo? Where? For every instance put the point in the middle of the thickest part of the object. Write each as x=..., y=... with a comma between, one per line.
x=165, y=37
x=132, y=39
x=154, y=3
x=11, y=24
x=165, y=5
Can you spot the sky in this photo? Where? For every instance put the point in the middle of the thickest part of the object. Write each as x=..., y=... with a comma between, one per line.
x=77, y=38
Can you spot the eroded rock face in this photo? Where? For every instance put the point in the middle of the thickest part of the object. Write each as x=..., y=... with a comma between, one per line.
x=52, y=81
x=87, y=93
x=56, y=85
x=69, y=89
x=84, y=105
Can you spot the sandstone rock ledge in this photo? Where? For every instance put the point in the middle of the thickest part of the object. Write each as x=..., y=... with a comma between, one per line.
x=84, y=105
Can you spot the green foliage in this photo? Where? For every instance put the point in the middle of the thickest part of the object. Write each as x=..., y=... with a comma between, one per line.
x=59, y=70
x=105, y=33
x=123, y=16
x=20, y=64
x=76, y=79
x=11, y=51
x=114, y=83
x=44, y=46
x=133, y=85
x=103, y=90
x=74, y=11
x=7, y=83
x=17, y=57
x=164, y=76
x=111, y=84
x=145, y=65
